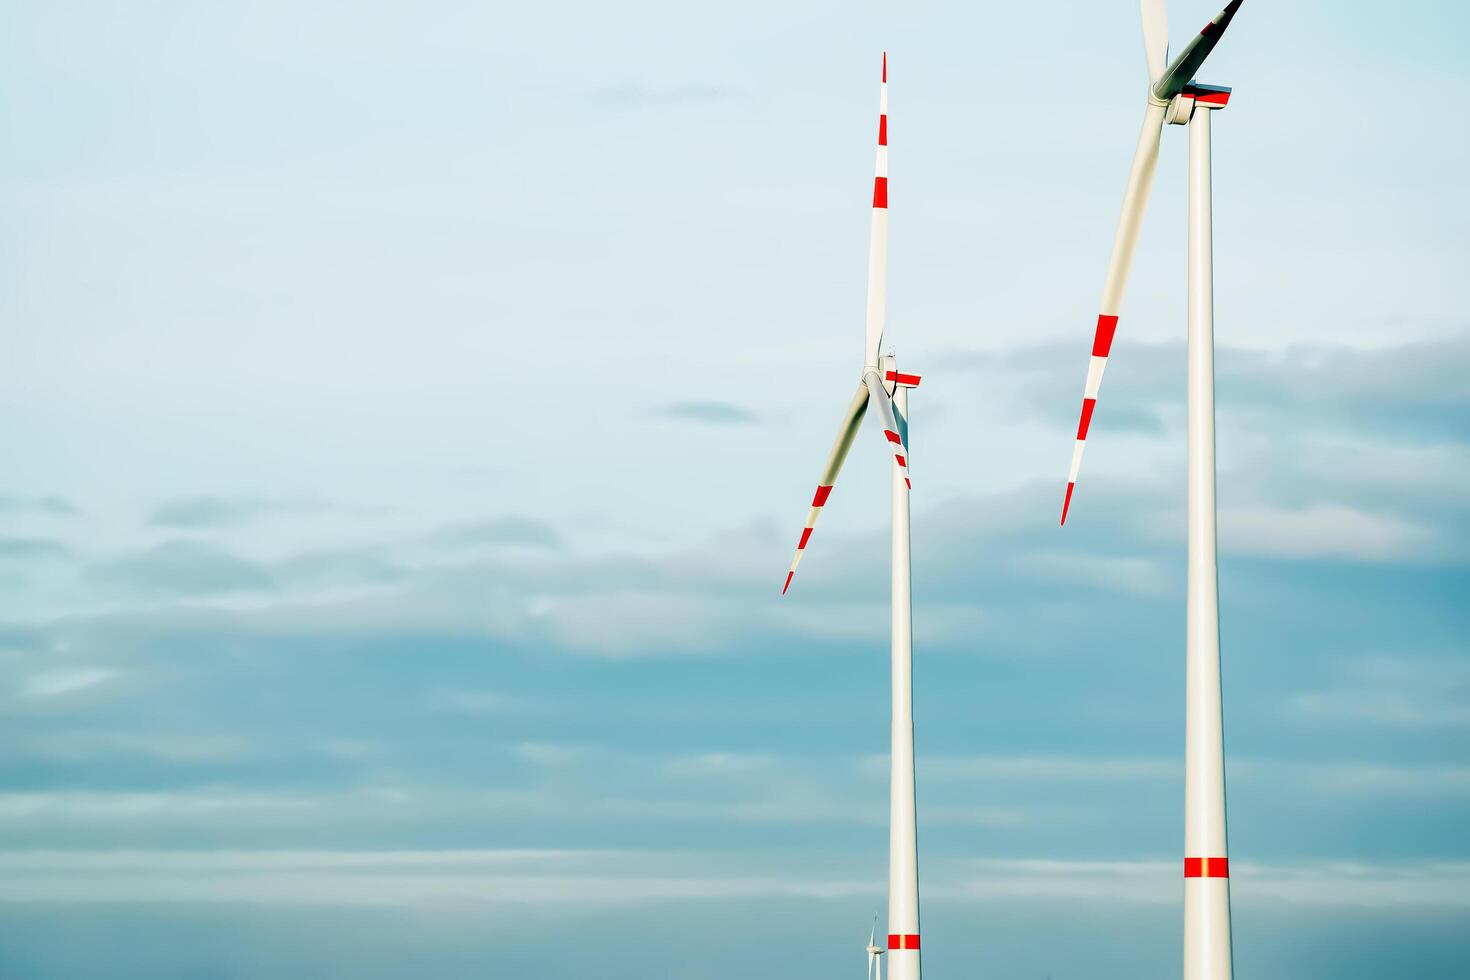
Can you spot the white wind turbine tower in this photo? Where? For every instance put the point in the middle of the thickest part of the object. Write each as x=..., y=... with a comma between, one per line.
x=883, y=386
x=1174, y=98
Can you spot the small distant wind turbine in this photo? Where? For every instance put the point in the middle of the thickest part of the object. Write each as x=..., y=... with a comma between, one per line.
x=875, y=971
x=882, y=385
x=1174, y=98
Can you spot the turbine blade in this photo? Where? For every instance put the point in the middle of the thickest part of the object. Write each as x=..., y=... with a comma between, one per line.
x=1135, y=203
x=1155, y=38
x=892, y=434
x=878, y=235
x=1179, y=73
x=850, y=423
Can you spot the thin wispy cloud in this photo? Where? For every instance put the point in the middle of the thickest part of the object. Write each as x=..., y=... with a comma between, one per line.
x=28, y=549
x=638, y=95
x=706, y=412
x=52, y=505
x=183, y=568
x=501, y=532
x=214, y=512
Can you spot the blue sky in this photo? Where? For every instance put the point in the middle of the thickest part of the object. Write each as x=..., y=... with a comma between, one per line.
x=412, y=408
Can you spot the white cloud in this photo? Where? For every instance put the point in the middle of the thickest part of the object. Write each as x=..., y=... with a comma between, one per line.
x=602, y=877
x=65, y=680
x=187, y=747
x=1406, y=693
x=1321, y=531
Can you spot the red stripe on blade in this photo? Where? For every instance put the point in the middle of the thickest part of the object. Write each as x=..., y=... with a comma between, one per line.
x=883, y=130
x=806, y=535
x=1088, y=404
x=1068, y=502
x=821, y=497
x=901, y=460
x=1102, y=341
x=893, y=437
x=880, y=192
x=885, y=67
x=788, y=582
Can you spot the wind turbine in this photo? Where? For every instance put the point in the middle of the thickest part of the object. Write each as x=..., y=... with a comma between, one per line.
x=1174, y=98
x=875, y=971
x=884, y=386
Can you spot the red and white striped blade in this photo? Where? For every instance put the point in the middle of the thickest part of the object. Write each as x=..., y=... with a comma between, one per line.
x=845, y=436
x=1155, y=38
x=1182, y=70
x=1135, y=203
x=891, y=432
x=878, y=235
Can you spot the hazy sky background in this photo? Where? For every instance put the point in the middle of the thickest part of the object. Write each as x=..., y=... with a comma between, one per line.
x=410, y=410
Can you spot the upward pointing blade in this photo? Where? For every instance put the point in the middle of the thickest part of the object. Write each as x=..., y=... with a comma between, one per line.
x=1194, y=54
x=1135, y=203
x=1155, y=38
x=878, y=235
x=835, y=459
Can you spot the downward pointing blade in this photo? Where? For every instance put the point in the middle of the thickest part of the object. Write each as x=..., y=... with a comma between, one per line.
x=891, y=431
x=878, y=236
x=1178, y=74
x=1135, y=203
x=1155, y=38
x=845, y=435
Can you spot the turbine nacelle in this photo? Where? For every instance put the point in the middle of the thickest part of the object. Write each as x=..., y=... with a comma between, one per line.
x=1195, y=96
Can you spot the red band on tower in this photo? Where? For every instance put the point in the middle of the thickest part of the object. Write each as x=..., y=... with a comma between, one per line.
x=1207, y=867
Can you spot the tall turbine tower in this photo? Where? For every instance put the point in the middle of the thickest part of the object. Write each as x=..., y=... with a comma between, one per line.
x=885, y=387
x=1173, y=98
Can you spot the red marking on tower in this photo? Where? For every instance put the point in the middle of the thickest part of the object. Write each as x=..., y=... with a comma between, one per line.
x=1203, y=867
x=907, y=380
x=907, y=940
